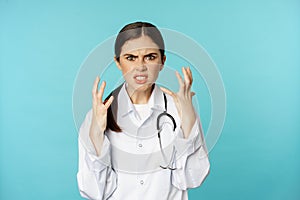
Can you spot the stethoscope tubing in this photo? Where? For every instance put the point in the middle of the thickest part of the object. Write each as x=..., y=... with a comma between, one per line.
x=159, y=136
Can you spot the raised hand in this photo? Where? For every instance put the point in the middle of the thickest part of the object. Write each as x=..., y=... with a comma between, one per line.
x=99, y=119
x=183, y=100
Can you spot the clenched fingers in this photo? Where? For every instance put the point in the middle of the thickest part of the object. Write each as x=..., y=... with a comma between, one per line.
x=180, y=81
x=94, y=90
x=108, y=102
x=187, y=78
x=101, y=91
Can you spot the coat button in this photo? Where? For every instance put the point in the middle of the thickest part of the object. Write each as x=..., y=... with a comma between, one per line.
x=140, y=145
x=141, y=182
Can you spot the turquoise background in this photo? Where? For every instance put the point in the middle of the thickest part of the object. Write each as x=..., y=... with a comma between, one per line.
x=255, y=45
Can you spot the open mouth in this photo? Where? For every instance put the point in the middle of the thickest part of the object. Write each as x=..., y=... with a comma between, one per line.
x=141, y=79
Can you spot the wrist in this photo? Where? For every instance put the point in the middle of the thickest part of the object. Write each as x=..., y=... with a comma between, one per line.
x=187, y=125
x=97, y=143
x=95, y=129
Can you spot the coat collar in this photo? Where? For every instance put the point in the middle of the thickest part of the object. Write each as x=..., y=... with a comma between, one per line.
x=155, y=102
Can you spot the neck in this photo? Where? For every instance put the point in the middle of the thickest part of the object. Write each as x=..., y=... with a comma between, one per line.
x=140, y=96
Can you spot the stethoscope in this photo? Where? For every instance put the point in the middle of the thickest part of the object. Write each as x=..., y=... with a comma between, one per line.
x=169, y=166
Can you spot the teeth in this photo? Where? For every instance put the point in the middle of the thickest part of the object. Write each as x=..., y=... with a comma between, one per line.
x=140, y=78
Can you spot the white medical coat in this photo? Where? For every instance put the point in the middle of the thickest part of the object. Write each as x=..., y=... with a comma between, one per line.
x=129, y=165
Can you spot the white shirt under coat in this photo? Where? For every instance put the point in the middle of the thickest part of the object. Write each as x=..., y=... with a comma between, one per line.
x=129, y=165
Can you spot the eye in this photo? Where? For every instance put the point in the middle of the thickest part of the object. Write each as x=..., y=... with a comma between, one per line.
x=150, y=57
x=130, y=58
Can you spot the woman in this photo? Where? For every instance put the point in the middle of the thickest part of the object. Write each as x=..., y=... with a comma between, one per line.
x=120, y=153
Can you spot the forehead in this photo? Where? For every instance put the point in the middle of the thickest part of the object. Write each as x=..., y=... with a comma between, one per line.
x=142, y=45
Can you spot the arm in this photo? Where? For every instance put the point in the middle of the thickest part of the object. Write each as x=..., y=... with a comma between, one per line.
x=192, y=162
x=96, y=179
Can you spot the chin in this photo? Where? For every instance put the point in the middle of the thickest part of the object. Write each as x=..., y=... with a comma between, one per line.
x=143, y=87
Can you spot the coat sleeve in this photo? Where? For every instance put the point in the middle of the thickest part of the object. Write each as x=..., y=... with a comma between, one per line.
x=191, y=159
x=96, y=179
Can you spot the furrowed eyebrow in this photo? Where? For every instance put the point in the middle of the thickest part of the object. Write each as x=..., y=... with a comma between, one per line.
x=149, y=54
x=127, y=54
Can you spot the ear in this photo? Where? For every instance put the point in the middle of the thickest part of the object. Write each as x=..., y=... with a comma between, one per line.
x=117, y=63
x=163, y=62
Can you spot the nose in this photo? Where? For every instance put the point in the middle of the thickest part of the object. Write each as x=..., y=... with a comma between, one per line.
x=141, y=65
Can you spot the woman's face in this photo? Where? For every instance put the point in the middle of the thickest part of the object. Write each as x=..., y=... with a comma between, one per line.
x=140, y=62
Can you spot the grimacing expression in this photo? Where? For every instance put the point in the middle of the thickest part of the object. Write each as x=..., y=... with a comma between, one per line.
x=140, y=62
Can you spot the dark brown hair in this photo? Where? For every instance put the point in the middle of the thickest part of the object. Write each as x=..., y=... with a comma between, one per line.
x=136, y=30
x=129, y=32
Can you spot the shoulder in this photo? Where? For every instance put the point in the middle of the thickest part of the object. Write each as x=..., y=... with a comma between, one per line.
x=169, y=99
x=171, y=106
